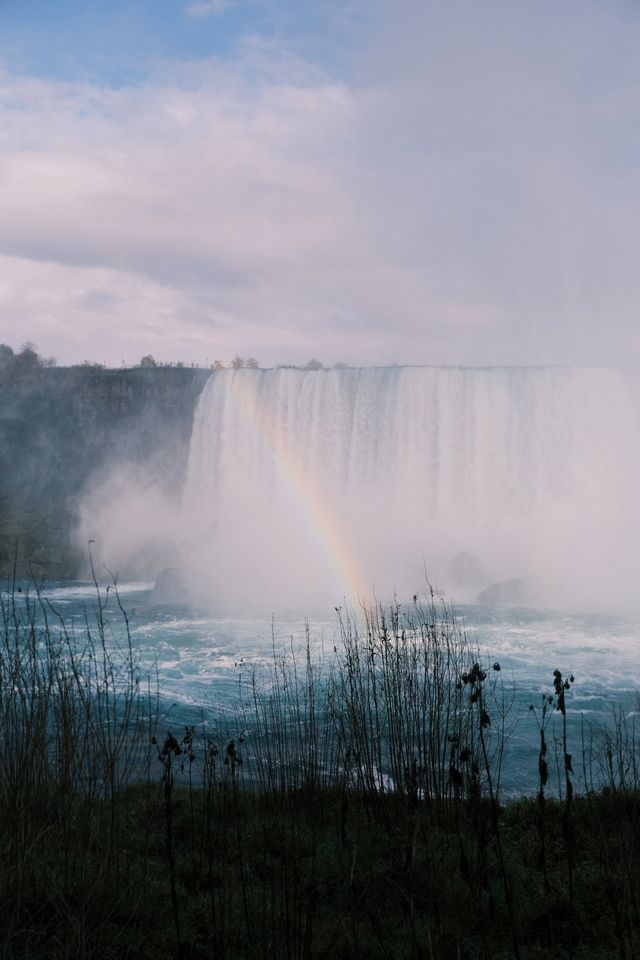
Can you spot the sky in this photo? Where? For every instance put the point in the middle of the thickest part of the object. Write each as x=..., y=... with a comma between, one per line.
x=358, y=181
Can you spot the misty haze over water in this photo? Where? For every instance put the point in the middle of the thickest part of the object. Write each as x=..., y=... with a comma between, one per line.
x=306, y=487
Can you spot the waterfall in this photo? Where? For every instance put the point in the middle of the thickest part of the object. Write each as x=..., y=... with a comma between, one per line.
x=310, y=483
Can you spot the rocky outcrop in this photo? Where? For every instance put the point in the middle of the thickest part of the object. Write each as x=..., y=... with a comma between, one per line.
x=60, y=427
x=465, y=570
x=171, y=587
x=508, y=593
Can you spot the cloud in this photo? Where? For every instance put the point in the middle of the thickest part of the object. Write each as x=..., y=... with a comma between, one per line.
x=205, y=197
x=464, y=195
x=207, y=8
x=512, y=129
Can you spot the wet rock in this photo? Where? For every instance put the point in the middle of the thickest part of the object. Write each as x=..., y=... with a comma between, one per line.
x=505, y=593
x=465, y=570
x=171, y=586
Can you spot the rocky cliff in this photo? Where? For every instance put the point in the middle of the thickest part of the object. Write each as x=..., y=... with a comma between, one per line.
x=60, y=427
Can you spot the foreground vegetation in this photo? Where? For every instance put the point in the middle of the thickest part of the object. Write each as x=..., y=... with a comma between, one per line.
x=350, y=808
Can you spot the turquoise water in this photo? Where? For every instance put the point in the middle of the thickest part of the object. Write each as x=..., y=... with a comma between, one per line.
x=202, y=660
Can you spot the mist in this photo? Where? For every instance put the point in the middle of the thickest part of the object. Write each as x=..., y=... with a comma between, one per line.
x=305, y=489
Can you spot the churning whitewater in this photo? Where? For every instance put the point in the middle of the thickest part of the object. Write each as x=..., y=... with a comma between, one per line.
x=331, y=483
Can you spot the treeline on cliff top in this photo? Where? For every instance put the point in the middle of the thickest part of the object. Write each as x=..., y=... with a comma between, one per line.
x=27, y=361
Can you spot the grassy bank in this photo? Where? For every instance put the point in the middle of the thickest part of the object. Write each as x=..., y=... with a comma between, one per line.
x=315, y=874
x=350, y=808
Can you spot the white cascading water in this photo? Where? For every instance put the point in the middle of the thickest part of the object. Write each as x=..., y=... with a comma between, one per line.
x=311, y=484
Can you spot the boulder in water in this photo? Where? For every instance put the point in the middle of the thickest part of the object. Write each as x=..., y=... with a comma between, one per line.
x=465, y=570
x=171, y=586
x=506, y=592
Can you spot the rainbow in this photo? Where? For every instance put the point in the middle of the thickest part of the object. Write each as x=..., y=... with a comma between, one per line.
x=317, y=508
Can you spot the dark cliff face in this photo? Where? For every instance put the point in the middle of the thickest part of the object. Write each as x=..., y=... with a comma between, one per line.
x=60, y=428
